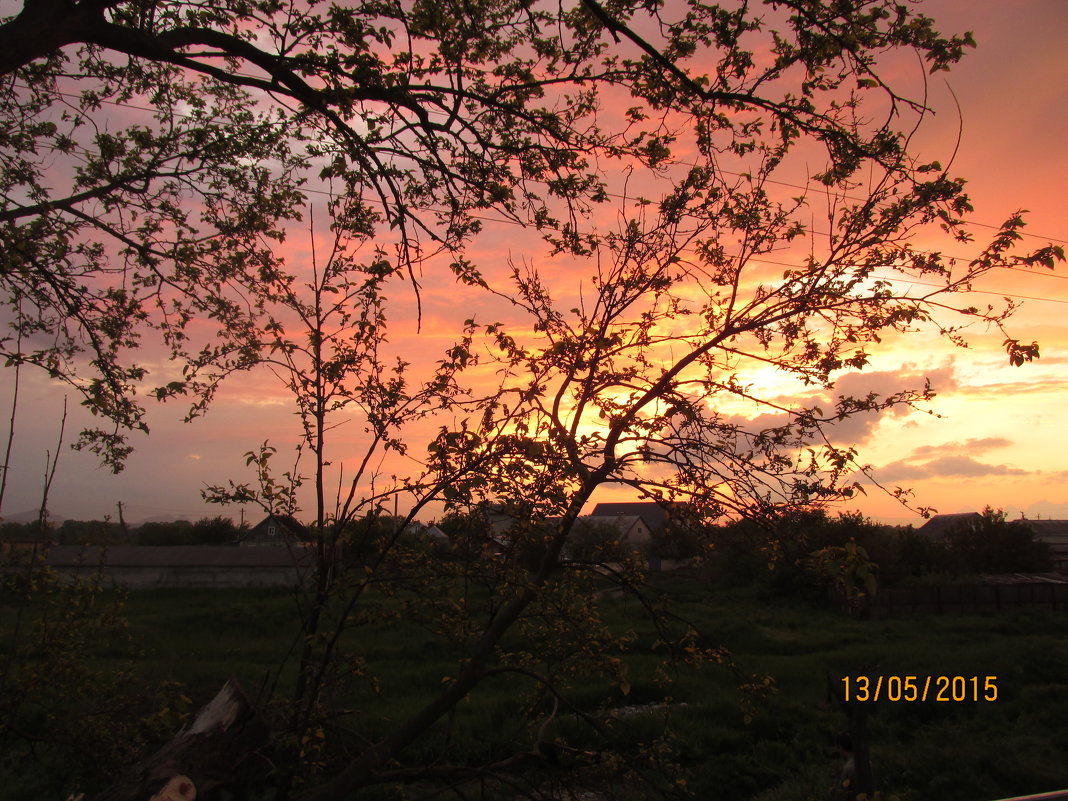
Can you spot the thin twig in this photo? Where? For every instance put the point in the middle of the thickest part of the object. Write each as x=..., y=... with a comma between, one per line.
x=50, y=472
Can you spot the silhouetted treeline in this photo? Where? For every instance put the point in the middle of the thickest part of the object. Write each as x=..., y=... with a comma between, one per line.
x=206, y=531
x=777, y=555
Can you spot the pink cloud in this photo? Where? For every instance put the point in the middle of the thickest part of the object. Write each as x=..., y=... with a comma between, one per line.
x=945, y=467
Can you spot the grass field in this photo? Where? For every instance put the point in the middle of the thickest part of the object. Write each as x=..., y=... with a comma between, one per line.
x=780, y=749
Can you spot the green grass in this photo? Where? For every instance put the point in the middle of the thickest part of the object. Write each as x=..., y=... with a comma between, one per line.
x=202, y=637
x=778, y=747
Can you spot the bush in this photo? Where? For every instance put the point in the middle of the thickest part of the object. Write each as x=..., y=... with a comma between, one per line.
x=175, y=533
x=777, y=555
x=596, y=542
x=214, y=531
x=72, y=713
x=206, y=531
x=677, y=542
x=918, y=556
x=992, y=545
x=91, y=532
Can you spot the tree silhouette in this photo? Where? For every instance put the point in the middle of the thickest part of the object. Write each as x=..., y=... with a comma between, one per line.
x=155, y=154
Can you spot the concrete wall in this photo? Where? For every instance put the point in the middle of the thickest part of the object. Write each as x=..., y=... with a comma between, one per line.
x=186, y=566
x=207, y=577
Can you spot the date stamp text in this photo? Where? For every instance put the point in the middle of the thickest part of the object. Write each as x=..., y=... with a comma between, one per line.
x=911, y=689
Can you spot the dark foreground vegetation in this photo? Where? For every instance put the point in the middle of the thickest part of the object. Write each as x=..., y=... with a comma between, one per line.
x=761, y=725
x=804, y=552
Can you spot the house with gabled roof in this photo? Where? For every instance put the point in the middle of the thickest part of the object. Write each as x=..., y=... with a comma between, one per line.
x=1055, y=534
x=658, y=517
x=653, y=515
x=629, y=529
x=938, y=526
x=277, y=530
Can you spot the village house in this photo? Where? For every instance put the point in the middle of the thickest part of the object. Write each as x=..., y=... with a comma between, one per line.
x=1055, y=534
x=277, y=530
x=630, y=530
x=1052, y=532
x=938, y=526
x=661, y=518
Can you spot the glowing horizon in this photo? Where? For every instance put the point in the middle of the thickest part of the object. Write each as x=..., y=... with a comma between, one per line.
x=996, y=443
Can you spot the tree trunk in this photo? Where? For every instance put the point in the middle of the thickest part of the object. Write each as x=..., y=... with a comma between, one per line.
x=207, y=761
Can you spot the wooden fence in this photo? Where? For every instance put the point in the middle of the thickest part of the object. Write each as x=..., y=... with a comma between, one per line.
x=951, y=599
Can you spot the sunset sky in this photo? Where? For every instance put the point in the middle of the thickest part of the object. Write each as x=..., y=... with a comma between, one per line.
x=995, y=435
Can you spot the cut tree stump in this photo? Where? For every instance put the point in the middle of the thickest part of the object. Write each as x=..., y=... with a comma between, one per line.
x=208, y=760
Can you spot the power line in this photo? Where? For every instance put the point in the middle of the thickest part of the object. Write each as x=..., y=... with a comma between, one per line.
x=979, y=291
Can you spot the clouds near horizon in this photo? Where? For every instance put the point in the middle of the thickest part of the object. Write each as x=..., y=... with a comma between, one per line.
x=950, y=460
x=859, y=427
